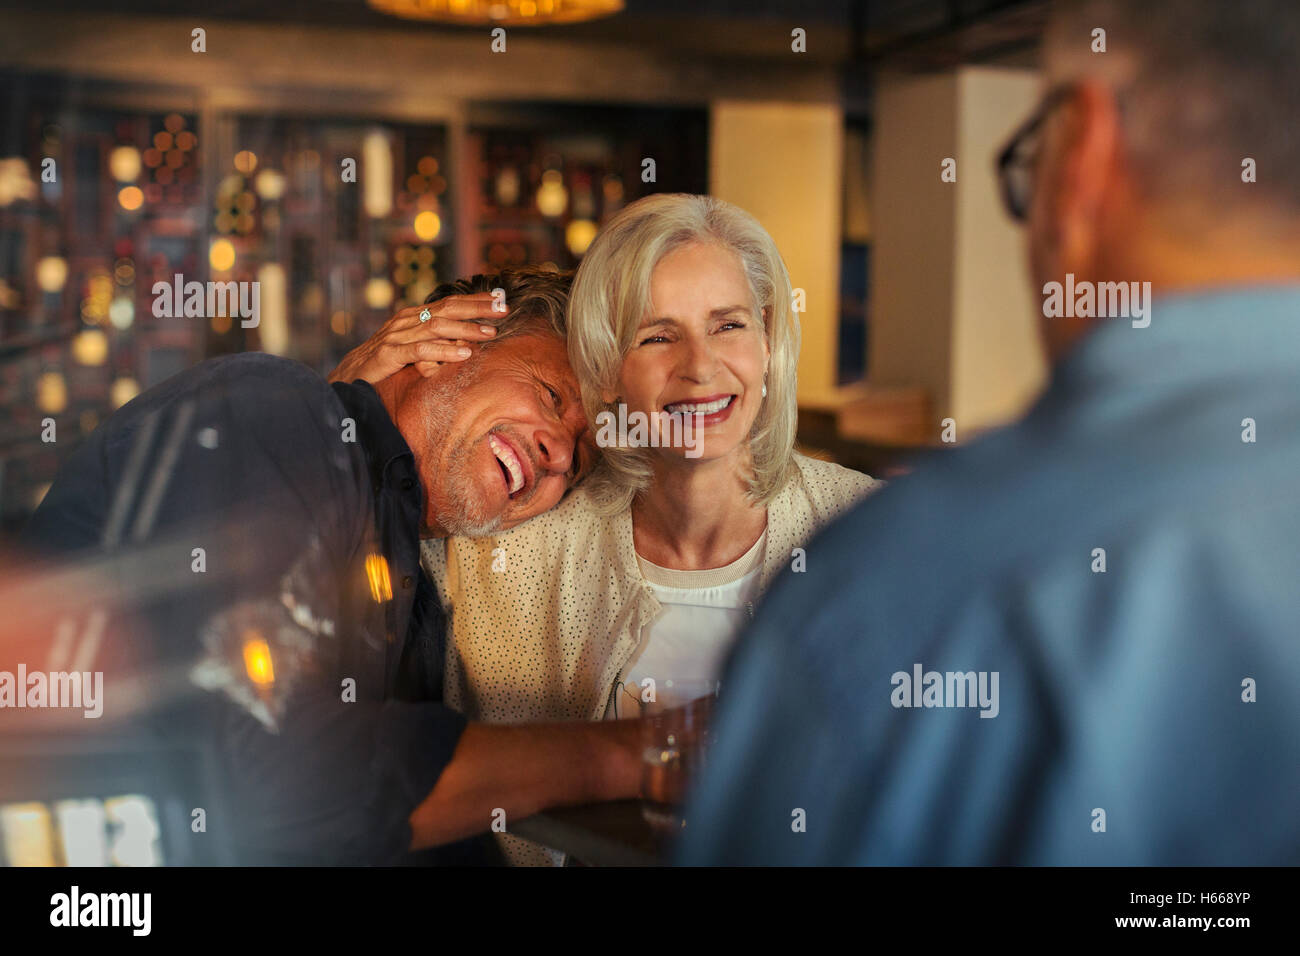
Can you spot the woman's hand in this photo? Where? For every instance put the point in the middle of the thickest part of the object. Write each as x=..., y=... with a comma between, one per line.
x=455, y=323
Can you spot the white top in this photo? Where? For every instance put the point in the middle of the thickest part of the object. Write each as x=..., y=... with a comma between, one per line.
x=685, y=647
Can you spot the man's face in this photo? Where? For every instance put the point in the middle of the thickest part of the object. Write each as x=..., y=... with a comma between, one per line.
x=499, y=439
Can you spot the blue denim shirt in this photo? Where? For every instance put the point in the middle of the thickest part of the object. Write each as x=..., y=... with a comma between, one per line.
x=1146, y=713
x=305, y=501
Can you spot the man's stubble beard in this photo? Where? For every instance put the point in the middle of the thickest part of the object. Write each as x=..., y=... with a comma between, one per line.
x=462, y=509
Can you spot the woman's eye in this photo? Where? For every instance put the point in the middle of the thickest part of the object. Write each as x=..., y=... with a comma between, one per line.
x=653, y=338
x=731, y=325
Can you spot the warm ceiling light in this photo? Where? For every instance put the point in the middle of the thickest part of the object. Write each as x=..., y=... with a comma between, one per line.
x=516, y=13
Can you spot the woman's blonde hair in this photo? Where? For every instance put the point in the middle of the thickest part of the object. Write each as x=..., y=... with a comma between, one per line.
x=611, y=296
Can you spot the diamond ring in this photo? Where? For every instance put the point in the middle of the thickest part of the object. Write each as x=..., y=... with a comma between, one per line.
x=425, y=315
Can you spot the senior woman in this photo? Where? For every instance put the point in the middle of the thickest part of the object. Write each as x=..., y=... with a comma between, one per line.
x=680, y=318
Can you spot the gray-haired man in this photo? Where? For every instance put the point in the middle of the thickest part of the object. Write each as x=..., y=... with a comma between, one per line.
x=311, y=614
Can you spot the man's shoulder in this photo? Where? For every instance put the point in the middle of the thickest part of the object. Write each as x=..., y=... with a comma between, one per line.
x=907, y=556
x=247, y=439
x=254, y=374
x=261, y=387
x=250, y=417
x=941, y=488
x=1030, y=509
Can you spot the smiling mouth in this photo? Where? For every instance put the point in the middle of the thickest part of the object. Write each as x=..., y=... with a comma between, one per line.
x=700, y=408
x=512, y=469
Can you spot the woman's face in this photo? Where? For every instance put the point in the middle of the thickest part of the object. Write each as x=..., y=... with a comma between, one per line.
x=699, y=355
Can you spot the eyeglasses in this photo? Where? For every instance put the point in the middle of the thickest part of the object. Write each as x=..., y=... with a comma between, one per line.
x=1017, y=164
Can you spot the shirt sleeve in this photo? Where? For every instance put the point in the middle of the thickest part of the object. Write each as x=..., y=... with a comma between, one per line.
x=338, y=783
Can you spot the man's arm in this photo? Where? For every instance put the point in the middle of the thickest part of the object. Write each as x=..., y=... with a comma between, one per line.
x=524, y=769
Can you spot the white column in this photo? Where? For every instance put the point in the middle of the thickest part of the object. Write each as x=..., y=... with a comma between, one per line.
x=951, y=306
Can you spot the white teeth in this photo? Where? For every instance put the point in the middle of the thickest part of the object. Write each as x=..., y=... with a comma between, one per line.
x=506, y=455
x=698, y=408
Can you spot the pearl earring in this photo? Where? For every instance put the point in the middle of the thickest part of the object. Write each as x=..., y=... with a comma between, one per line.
x=765, y=389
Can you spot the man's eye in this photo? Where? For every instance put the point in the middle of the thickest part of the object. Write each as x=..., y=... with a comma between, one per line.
x=555, y=396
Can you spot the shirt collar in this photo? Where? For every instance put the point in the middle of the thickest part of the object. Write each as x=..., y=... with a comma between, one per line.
x=376, y=433
x=1192, y=338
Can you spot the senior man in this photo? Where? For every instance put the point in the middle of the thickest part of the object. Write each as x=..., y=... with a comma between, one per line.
x=293, y=509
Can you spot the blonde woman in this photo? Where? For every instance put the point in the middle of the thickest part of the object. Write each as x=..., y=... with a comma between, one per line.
x=679, y=317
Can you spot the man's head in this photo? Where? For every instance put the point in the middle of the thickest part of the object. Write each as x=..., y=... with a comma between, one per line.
x=500, y=437
x=1142, y=148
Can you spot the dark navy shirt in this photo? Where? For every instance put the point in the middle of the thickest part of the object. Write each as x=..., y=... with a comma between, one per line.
x=278, y=518
x=1126, y=561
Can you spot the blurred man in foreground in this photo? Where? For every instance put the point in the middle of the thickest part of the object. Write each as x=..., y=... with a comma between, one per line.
x=1083, y=649
x=280, y=517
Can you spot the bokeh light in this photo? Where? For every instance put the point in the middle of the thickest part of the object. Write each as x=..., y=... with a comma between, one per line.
x=379, y=292
x=52, y=273
x=579, y=234
x=552, y=197
x=428, y=225
x=90, y=347
x=51, y=393
x=124, y=164
x=121, y=312
x=221, y=255
x=131, y=198
x=123, y=390
x=270, y=184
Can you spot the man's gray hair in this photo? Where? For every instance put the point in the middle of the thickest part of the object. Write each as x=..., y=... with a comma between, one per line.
x=536, y=299
x=1202, y=85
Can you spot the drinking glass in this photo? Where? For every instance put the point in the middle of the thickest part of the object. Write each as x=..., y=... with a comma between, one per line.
x=674, y=739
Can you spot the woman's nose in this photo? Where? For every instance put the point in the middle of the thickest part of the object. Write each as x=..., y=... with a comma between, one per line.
x=700, y=360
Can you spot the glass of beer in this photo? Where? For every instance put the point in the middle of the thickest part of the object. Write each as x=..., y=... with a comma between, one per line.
x=675, y=738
